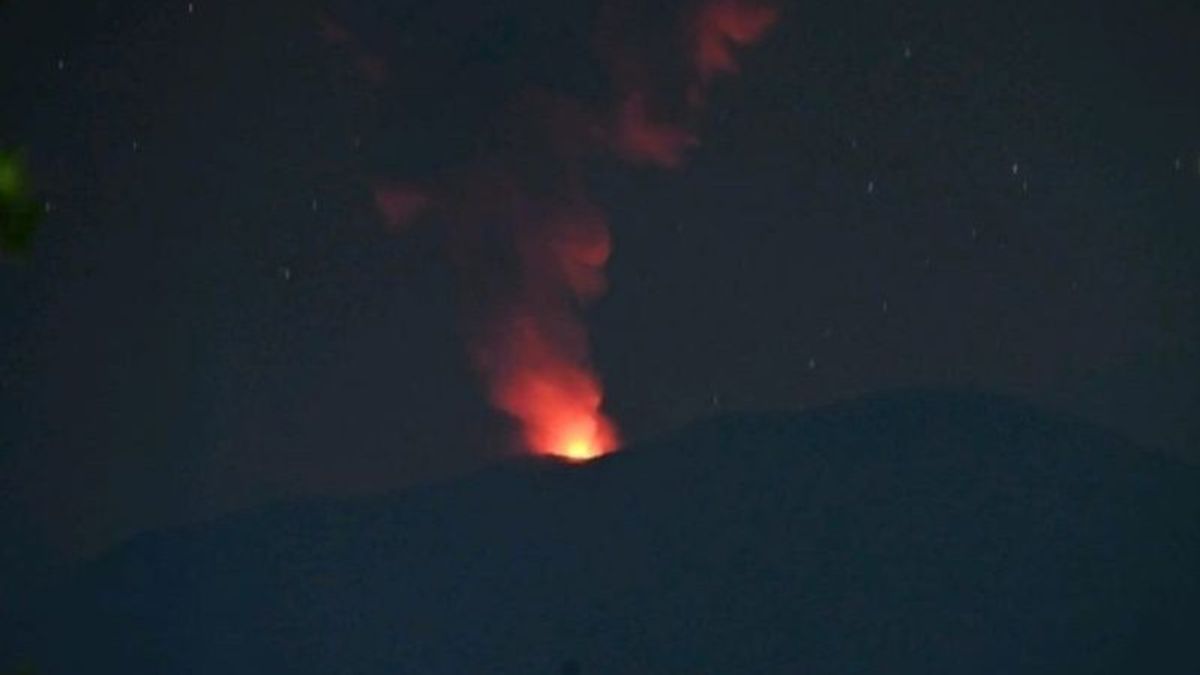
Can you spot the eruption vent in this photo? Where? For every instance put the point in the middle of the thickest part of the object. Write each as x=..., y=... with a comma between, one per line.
x=529, y=244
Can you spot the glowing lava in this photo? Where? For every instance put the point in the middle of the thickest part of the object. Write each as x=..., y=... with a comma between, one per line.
x=579, y=450
x=589, y=437
x=569, y=425
x=561, y=413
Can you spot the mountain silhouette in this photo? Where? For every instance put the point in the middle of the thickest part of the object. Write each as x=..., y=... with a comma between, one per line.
x=911, y=532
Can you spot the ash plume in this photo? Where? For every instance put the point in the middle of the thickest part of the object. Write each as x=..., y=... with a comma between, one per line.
x=529, y=244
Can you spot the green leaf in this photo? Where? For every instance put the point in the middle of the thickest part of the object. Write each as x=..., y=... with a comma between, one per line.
x=20, y=213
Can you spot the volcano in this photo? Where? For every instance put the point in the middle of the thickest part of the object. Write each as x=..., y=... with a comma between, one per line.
x=912, y=532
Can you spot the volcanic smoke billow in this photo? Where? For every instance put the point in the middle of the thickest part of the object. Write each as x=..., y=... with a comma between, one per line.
x=528, y=243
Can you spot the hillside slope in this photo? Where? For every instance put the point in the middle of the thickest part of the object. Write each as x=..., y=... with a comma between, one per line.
x=914, y=532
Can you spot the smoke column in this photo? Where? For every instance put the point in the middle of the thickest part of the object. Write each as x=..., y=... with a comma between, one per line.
x=530, y=246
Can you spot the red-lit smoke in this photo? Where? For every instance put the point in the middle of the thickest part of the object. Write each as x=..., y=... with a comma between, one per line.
x=531, y=247
x=368, y=65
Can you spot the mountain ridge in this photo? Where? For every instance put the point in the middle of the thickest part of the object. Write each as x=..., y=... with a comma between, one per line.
x=906, y=532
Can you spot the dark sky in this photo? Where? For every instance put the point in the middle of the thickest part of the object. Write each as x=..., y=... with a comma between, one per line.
x=1003, y=196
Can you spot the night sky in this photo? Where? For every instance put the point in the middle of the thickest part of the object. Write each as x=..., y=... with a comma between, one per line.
x=1001, y=196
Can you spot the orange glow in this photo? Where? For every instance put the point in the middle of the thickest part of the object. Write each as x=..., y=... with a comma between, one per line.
x=537, y=374
x=560, y=411
x=590, y=437
x=580, y=450
x=530, y=245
